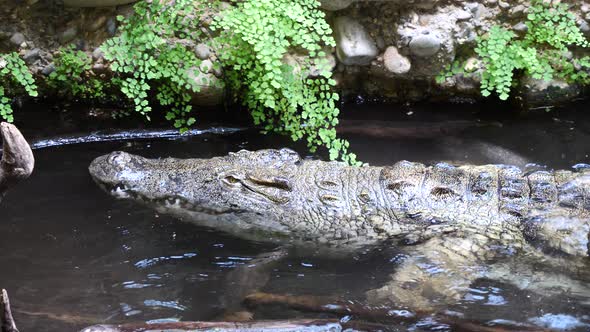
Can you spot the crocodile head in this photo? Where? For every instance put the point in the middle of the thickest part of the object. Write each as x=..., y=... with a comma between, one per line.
x=243, y=191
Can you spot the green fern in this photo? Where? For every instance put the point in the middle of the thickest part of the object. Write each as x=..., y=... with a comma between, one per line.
x=541, y=53
x=73, y=76
x=13, y=73
x=255, y=36
x=151, y=54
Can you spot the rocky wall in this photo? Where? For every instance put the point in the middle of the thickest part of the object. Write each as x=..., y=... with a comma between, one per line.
x=400, y=46
x=37, y=29
x=389, y=49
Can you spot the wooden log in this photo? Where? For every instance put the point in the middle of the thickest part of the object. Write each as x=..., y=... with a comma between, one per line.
x=303, y=325
x=382, y=314
x=6, y=320
x=17, y=158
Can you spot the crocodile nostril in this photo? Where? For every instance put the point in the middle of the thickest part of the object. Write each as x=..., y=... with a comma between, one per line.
x=113, y=157
x=119, y=159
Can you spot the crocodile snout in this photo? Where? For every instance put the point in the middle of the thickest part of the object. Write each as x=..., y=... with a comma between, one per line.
x=107, y=169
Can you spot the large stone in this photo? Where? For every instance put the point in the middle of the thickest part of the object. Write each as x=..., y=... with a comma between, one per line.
x=354, y=45
x=96, y=3
x=333, y=5
x=395, y=62
x=534, y=93
x=425, y=45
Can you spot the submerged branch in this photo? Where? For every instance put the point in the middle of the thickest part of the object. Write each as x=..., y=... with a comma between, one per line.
x=17, y=158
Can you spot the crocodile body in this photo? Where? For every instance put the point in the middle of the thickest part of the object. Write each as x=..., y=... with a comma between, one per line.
x=278, y=192
x=454, y=217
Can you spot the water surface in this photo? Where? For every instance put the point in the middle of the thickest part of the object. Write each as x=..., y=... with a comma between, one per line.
x=72, y=256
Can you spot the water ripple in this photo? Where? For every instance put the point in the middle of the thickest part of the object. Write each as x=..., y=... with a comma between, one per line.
x=165, y=304
x=144, y=263
x=231, y=261
x=559, y=322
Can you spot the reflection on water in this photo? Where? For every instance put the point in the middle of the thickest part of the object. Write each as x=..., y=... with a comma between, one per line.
x=72, y=256
x=560, y=321
x=151, y=261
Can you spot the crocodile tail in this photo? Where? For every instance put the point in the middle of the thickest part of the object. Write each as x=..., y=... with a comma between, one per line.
x=573, y=190
x=559, y=222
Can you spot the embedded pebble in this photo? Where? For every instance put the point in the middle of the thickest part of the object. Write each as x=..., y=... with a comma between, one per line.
x=111, y=26
x=48, y=69
x=68, y=35
x=395, y=62
x=32, y=55
x=206, y=66
x=471, y=65
x=202, y=51
x=97, y=54
x=462, y=15
x=520, y=27
x=583, y=25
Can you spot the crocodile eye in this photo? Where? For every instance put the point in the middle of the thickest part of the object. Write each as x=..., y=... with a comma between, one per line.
x=443, y=192
x=231, y=180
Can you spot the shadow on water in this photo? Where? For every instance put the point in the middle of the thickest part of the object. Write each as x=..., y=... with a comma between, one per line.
x=72, y=256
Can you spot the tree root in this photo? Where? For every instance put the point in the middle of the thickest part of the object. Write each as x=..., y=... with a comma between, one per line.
x=17, y=158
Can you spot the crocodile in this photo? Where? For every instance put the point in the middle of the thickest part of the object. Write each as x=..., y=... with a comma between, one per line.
x=451, y=218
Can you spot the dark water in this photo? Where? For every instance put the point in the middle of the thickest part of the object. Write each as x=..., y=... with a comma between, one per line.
x=71, y=256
